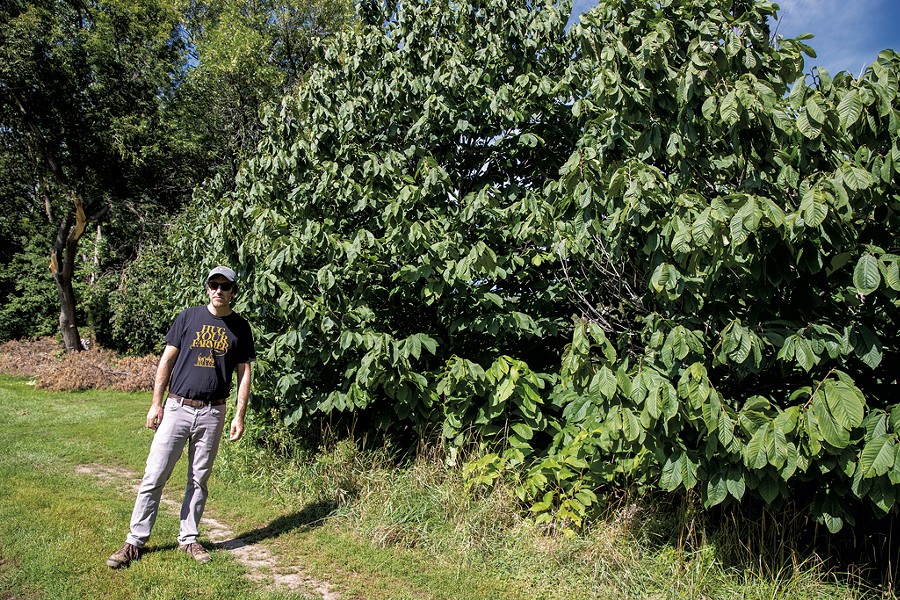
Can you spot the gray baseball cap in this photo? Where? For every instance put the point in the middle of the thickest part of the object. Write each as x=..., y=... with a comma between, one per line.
x=224, y=272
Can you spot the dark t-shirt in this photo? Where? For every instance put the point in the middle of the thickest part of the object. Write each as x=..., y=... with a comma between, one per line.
x=209, y=349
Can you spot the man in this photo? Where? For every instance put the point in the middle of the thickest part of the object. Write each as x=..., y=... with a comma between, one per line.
x=204, y=347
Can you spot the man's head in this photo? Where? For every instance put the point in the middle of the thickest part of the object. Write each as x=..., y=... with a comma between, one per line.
x=221, y=285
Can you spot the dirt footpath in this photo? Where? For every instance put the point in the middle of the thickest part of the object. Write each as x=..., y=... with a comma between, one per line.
x=262, y=566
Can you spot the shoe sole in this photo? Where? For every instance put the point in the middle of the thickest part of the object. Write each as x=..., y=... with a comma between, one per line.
x=199, y=560
x=114, y=564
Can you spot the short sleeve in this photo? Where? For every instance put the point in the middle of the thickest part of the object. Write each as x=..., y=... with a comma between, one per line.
x=176, y=331
x=248, y=350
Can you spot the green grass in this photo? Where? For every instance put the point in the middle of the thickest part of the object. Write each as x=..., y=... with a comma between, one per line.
x=57, y=526
x=352, y=518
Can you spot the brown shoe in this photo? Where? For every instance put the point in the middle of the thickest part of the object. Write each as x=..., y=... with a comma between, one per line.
x=195, y=551
x=124, y=556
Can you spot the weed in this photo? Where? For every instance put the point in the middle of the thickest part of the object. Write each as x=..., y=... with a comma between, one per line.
x=640, y=547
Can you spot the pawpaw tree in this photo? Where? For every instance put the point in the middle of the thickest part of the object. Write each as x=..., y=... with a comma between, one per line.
x=747, y=216
x=648, y=249
x=393, y=223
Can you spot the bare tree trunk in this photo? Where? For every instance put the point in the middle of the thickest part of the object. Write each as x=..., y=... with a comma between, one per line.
x=95, y=272
x=62, y=265
x=67, y=324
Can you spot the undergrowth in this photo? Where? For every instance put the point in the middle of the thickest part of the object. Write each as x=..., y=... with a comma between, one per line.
x=52, y=368
x=640, y=546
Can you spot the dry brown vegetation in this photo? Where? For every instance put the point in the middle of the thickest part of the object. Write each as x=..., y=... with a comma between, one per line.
x=52, y=368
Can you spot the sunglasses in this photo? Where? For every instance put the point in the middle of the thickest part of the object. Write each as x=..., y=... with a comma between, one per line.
x=225, y=286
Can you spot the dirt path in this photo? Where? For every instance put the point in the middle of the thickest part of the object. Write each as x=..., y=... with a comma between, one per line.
x=261, y=564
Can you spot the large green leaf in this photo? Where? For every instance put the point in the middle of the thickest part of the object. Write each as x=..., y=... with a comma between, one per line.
x=729, y=109
x=813, y=208
x=769, y=489
x=867, y=346
x=607, y=382
x=894, y=412
x=845, y=403
x=850, y=108
x=716, y=490
x=889, y=265
x=834, y=522
x=814, y=109
x=866, y=276
x=735, y=482
x=832, y=432
x=671, y=476
x=877, y=457
x=688, y=472
x=755, y=454
x=883, y=495
x=855, y=178
x=523, y=431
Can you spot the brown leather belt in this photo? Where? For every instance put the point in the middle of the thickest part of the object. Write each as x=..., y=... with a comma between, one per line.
x=197, y=403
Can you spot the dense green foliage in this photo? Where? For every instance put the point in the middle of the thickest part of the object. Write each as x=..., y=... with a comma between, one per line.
x=244, y=54
x=758, y=209
x=82, y=90
x=28, y=307
x=392, y=219
x=455, y=183
x=111, y=112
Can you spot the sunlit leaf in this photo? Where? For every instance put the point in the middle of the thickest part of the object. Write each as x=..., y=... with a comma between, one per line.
x=866, y=276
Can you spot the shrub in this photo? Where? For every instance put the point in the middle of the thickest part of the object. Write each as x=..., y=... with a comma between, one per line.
x=145, y=301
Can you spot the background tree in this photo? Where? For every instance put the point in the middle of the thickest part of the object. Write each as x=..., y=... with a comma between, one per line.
x=81, y=86
x=119, y=109
x=28, y=296
x=243, y=55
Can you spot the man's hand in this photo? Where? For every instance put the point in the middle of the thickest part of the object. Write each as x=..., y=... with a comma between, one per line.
x=154, y=417
x=237, y=429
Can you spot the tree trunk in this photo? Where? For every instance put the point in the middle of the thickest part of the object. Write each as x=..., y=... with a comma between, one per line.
x=95, y=273
x=62, y=265
x=67, y=324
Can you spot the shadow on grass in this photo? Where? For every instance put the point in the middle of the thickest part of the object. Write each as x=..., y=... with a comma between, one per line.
x=151, y=548
x=311, y=516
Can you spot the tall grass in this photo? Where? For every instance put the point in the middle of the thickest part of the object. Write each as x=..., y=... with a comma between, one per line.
x=642, y=547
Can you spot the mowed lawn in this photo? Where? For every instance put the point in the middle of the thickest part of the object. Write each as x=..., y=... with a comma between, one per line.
x=58, y=525
x=69, y=463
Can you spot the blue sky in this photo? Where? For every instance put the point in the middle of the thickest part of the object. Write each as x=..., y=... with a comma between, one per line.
x=849, y=33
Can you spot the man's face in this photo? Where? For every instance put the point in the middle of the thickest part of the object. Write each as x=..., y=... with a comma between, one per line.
x=218, y=295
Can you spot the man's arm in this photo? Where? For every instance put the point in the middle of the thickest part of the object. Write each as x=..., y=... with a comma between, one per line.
x=160, y=385
x=243, y=394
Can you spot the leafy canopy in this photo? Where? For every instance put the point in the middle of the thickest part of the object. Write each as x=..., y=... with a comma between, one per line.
x=430, y=210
